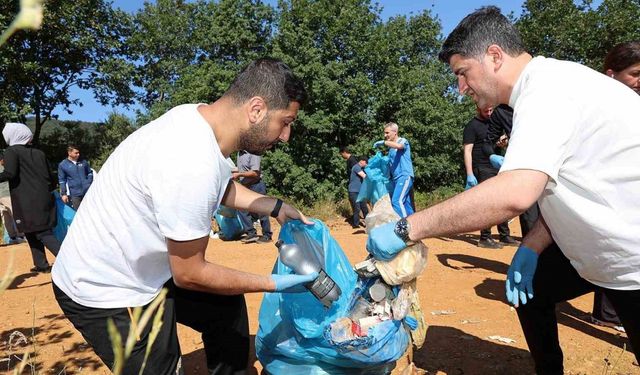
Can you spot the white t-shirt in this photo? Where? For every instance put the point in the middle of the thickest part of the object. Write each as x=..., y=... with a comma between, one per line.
x=582, y=129
x=164, y=181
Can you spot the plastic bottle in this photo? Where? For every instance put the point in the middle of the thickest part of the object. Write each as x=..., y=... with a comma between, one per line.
x=303, y=263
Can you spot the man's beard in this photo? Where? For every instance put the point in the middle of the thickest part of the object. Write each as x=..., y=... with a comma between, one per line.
x=254, y=140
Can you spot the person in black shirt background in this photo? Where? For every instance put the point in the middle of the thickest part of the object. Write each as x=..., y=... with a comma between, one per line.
x=479, y=169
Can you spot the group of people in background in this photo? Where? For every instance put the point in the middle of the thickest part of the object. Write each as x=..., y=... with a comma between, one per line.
x=401, y=174
x=26, y=192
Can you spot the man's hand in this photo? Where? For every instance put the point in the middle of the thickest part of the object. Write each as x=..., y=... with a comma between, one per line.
x=503, y=142
x=65, y=198
x=288, y=212
x=292, y=283
x=383, y=242
x=519, y=283
x=235, y=176
x=471, y=182
x=378, y=144
x=496, y=161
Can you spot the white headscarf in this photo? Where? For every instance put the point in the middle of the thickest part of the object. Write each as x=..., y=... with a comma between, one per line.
x=16, y=133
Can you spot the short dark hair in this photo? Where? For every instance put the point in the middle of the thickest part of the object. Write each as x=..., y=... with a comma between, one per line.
x=477, y=31
x=344, y=150
x=362, y=158
x=71, y=147
x=270, y=79
x=622, y=56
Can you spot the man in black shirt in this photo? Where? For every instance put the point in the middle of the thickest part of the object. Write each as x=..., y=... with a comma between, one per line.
x=479, y=169
x=498, y=133
x=350, y=158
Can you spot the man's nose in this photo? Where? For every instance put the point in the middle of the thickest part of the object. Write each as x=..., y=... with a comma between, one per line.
x=462, y=85
x=285, y=134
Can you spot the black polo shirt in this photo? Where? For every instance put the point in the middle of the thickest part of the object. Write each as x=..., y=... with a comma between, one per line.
x=476, y=132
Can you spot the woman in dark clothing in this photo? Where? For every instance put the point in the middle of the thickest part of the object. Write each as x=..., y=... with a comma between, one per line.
x=622, y=63
x=31, y=184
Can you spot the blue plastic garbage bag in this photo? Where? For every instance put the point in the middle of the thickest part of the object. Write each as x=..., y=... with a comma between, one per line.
x=378, y=182
x=229, y=223
x=64, y=217
x=293, y=327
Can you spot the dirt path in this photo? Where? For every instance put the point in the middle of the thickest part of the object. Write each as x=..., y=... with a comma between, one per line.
x=460, y=277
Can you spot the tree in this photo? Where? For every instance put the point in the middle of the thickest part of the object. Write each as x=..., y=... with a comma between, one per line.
x=361, y=73
x=80, y=45
x=189, y=52
x=578, y=32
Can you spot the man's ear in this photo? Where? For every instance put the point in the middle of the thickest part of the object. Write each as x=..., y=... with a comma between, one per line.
x=496, y=55
x=257, y=109
x=610, y=73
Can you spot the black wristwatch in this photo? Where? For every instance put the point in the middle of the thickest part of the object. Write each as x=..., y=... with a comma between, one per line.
x=402, y=230
x=276, y=209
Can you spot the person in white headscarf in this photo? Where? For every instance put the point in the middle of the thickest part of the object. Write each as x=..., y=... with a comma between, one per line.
x=31, y=183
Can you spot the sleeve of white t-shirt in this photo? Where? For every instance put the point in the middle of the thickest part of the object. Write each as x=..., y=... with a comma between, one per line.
x=184, y=187
x=183, y=201
x=543, y=127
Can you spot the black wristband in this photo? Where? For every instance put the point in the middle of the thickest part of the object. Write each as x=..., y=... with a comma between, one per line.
x=276, y=209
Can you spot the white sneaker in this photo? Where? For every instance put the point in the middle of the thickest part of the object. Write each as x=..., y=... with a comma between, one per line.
x=603, y=323
x=214, y=235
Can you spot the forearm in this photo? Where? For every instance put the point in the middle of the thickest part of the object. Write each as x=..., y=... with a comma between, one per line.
x=539, y=237
x=494, y=201
x=190, y=270
x=392, y=144
x=217, y=279
x=239, y=197
x=468, y=161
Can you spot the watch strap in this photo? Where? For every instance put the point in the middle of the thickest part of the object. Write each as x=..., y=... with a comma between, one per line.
x=276, y=209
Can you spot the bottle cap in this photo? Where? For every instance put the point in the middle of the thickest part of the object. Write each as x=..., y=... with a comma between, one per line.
x=377, y=292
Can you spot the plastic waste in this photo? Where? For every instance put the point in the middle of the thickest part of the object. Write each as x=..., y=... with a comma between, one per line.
x=295, y=329
x=305, y=262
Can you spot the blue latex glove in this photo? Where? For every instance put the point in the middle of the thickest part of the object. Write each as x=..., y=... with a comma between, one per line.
x=519, y=283
x=496, y=160
x=411, y=322
x=378, y=144
x=292, y=283
x=383, y=242
x=471, y=182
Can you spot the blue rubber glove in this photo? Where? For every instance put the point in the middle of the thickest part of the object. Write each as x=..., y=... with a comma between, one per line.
x=292, y=283
x=378, y=144
x=383, y=242
x=519, y=283
x=496, y=161
x=471, y=182
x=411, y=322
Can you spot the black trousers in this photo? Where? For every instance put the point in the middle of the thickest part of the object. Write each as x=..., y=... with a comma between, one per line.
x=556, y=281
x=484, y=173
x=222, y=320
x=37, y=241
x=356, y=207
x=75, y=202
x=528, y=218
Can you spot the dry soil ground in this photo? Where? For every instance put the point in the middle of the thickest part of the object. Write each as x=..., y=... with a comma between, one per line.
x=460, y=277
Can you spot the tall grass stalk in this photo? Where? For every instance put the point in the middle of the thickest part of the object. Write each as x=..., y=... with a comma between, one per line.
x=139, y=322
x=9, y=275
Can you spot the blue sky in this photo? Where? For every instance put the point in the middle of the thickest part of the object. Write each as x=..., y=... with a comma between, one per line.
x=450, y=12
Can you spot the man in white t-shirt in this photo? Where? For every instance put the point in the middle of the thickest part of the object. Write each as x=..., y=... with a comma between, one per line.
x=147, y=220
x=574, y=148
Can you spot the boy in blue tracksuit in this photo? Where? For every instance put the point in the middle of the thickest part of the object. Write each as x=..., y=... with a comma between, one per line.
x=401, y=169
x=75, y=176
